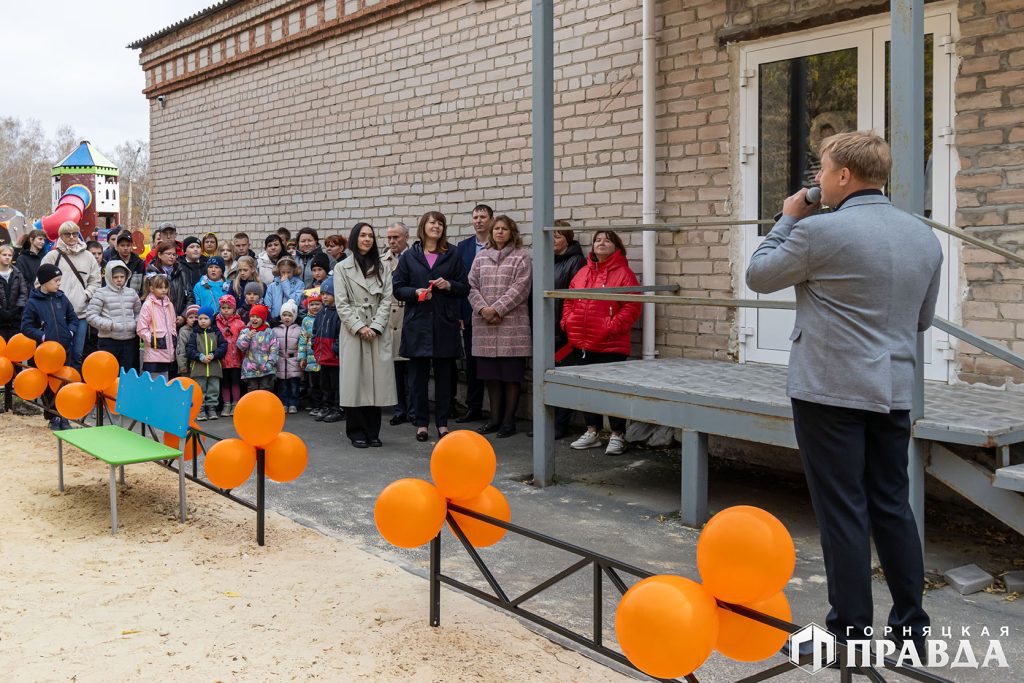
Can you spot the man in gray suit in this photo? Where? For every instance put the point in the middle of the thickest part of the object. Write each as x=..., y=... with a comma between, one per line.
x=866, y=277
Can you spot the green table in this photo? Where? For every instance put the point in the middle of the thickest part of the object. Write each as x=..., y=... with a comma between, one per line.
x=118, y=447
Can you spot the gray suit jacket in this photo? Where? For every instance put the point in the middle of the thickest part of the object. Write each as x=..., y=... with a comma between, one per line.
x=866, y=279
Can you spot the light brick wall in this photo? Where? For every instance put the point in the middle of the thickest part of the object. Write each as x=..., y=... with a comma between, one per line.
x=990, y=186
x=427, y=105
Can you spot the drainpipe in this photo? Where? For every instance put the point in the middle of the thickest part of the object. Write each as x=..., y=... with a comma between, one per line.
x=650, y=238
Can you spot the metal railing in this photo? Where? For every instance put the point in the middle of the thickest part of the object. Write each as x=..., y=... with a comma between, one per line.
x=602, y=566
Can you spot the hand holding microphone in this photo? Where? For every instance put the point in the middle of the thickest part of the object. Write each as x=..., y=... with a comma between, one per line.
x=801, y=204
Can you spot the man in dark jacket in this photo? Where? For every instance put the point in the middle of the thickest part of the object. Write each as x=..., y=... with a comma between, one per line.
x=49, y=316
x=483, y=216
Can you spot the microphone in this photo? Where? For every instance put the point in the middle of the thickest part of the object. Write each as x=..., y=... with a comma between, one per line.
x=813, y=196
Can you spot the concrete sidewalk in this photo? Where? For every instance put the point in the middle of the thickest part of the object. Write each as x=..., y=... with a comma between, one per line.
x=627, y=508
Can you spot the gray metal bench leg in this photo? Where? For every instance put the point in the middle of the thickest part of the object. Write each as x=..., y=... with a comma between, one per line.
x=693, y=507
x=113, y=500
x=60, y=465
x=181, y=485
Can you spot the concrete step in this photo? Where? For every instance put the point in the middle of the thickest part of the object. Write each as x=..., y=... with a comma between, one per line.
x=1011, y=478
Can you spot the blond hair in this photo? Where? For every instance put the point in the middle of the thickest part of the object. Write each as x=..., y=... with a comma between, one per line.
x=68, y=228
x=864, y=152
x=6, y=247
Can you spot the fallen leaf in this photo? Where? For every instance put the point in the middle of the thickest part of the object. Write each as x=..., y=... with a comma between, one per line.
x=129, y=632
x=232, y=594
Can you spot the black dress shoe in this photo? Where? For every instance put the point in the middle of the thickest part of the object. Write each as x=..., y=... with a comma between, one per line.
x=397, y=420
x=470, y=416
x=441, y=435
x=487, y=429
x=506, y=432
x=334, y=416
x=422, y=436
x=360, y=443
x=376, y=443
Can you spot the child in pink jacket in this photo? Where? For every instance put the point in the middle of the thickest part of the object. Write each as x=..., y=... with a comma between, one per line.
x=156, y=327
x=230, y=325
x=289, y=374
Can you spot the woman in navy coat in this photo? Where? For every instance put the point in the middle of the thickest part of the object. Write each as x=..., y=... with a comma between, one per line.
x=432, y=281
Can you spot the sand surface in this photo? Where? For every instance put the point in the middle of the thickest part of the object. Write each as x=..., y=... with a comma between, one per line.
x=202, y=602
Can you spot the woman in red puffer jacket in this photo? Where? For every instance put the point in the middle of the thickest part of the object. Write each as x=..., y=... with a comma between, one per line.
x=600, y=329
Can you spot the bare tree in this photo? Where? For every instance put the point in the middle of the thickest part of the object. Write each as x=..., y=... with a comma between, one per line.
x=25, y=163
x=132, y=158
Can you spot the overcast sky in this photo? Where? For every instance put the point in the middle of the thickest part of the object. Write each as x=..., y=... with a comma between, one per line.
x=65, y=62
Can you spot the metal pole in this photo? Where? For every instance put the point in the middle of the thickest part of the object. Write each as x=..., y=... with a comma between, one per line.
x=261, y=490
x=906, y=92
x=435, y=580
x=544, y=257
x=650, y=174
x=9, y=396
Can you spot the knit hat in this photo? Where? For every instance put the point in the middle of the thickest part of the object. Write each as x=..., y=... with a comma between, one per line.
x=315, y=296
x=253, y=288
x=123, y=236
x=322, y=260
x=207, y=311
x=260, y=311
x=227, y=299
x=47, y=272
x=193, y=309
x=189, y=241
x=215, y=261
x=327, y=286
x=290, y=307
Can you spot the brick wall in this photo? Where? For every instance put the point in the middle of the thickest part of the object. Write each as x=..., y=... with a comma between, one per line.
x=426, y=104
x=990, y=185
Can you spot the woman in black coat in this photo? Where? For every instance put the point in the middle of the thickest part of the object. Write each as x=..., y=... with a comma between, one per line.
x=33, y=249
x=433, y=272
x=569, y=259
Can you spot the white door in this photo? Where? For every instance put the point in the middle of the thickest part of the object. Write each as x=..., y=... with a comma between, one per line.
x=796, y=92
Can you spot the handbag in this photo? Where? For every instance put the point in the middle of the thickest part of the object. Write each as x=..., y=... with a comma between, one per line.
x=156, y=343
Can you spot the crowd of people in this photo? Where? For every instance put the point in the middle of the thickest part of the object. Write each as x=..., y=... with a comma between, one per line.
x=346, y=328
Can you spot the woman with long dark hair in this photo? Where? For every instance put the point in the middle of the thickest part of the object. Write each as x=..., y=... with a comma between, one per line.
x=363, y=296
x=33, y=248
x=431, y=280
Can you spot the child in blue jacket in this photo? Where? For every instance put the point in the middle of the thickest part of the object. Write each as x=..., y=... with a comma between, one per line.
x=49, y=316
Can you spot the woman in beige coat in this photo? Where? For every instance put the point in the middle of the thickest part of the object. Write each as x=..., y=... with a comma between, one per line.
x=362, y=293
x=499, y=286
x=81, y=277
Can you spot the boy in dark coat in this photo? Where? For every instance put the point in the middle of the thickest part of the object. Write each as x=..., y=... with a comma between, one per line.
x=206, y=347
x=49, y=316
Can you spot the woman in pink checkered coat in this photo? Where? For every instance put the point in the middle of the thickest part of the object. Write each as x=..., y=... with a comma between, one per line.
x=499, y=292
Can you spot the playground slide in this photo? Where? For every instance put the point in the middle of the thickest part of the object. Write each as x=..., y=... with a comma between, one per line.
x=70, y=207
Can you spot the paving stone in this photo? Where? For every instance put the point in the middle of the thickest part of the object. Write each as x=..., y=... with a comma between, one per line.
x=968, y=579
x=1014, y=581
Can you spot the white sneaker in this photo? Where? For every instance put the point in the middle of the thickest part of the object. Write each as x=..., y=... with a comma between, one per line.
x=616, y=445
x=588, y=440
x=292, y=410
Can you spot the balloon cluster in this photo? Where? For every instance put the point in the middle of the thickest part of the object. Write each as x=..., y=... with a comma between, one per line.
x=258, y=419
x=75, y=397
x=411, y=512
x=668, y=625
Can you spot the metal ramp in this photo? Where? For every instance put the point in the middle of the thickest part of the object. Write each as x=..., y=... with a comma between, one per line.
x=748, y=402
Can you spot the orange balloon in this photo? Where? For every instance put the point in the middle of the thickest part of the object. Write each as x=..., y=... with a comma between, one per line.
x=3, y=348
x=747, y=640
x=30, y=384
x=191, y=445
x=286, y=457
x=20, y=348
x=193, y=448
x=110, y=395
x=229, y=463
x=67, y=372
x=74, y=401
x=172, y=440
x=197, y=398
x=745, y=555
x=50, y=357
x=489, y=502
x=462, y=464
x=667, y=625
x=409, y=512
x=259, y=417
x=100, y=370
x=6, y=370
